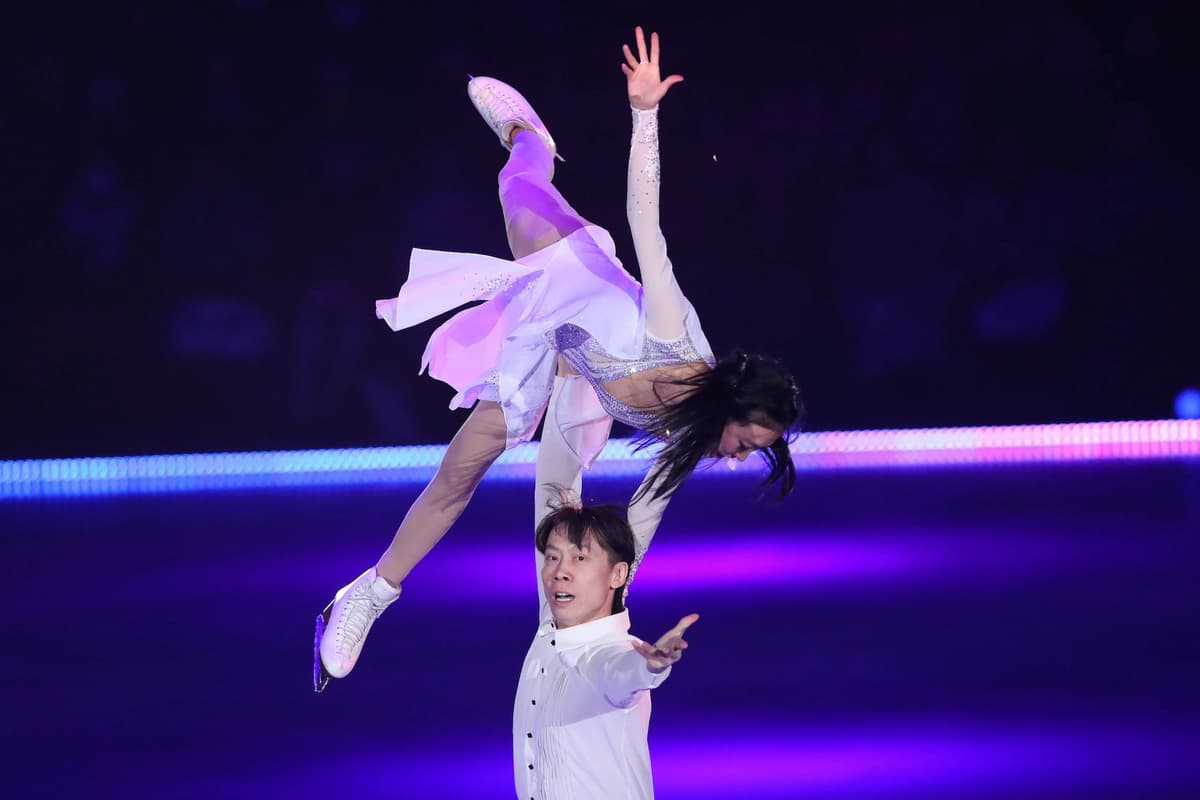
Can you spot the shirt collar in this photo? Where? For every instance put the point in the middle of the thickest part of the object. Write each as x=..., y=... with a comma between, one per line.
x=594, y=631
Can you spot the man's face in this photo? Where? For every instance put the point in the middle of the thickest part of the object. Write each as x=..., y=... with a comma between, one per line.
x=579, y=581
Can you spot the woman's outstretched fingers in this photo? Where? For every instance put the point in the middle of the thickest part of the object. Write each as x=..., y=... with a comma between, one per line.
x=629, y=57
x=646, y=84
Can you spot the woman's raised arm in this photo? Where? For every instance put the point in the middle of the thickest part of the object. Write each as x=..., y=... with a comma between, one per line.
x=665, y=305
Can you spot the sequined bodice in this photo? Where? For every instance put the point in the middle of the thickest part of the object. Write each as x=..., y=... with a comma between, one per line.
x=599, y=367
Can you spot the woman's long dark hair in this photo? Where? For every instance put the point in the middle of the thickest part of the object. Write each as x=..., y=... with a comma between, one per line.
x=742, y=387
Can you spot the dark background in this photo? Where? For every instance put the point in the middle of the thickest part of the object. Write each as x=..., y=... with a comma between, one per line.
x=937, y=214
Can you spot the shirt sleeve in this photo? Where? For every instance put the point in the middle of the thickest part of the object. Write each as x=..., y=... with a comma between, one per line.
x=664, y=302
x=619, y=672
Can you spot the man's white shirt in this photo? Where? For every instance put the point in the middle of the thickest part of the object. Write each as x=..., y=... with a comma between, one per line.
x=582, y=714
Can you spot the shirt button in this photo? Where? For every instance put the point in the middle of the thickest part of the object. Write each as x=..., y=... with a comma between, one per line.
x=531, y=766
x=529, y=736
x=551, y=641
x=534, y=702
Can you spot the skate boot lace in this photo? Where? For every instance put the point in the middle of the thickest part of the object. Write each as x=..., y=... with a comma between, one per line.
x=499, y=109
x=362, y=610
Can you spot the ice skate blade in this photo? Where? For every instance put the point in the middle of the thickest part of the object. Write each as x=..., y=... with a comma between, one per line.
x=321, y=677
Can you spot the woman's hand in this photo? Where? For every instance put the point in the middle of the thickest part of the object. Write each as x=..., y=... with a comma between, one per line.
x=646, y=86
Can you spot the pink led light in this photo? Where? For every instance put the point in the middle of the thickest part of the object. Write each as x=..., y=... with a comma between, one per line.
x=811, y=451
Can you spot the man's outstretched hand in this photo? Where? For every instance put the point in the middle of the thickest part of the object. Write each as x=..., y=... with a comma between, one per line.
x=669, y=647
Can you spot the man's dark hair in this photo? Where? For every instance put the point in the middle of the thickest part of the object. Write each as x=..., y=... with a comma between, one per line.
x=608, y=527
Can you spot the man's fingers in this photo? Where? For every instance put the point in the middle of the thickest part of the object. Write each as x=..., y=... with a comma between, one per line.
x=678, y=631
x=641, y=42
x=683, y=624
x=654, y=49
x=671, y=645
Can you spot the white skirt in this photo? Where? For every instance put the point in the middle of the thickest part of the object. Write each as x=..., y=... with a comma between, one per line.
x=500, y=349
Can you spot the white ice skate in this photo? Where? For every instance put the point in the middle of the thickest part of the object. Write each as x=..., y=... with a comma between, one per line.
x=503, y=108
x=343, y=626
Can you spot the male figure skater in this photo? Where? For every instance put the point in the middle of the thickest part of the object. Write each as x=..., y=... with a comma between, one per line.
x=582, y=711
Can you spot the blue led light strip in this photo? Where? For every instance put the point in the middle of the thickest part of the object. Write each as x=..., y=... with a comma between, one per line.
x=416, y=464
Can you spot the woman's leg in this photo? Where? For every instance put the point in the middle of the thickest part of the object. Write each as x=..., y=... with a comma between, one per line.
x=343, y=626
x=535, y=214
x=477, y=444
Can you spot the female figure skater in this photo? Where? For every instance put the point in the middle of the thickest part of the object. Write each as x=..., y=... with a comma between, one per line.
x=564, y=325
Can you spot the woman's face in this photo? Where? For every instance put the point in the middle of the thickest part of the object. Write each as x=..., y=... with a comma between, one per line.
x=740, y=439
